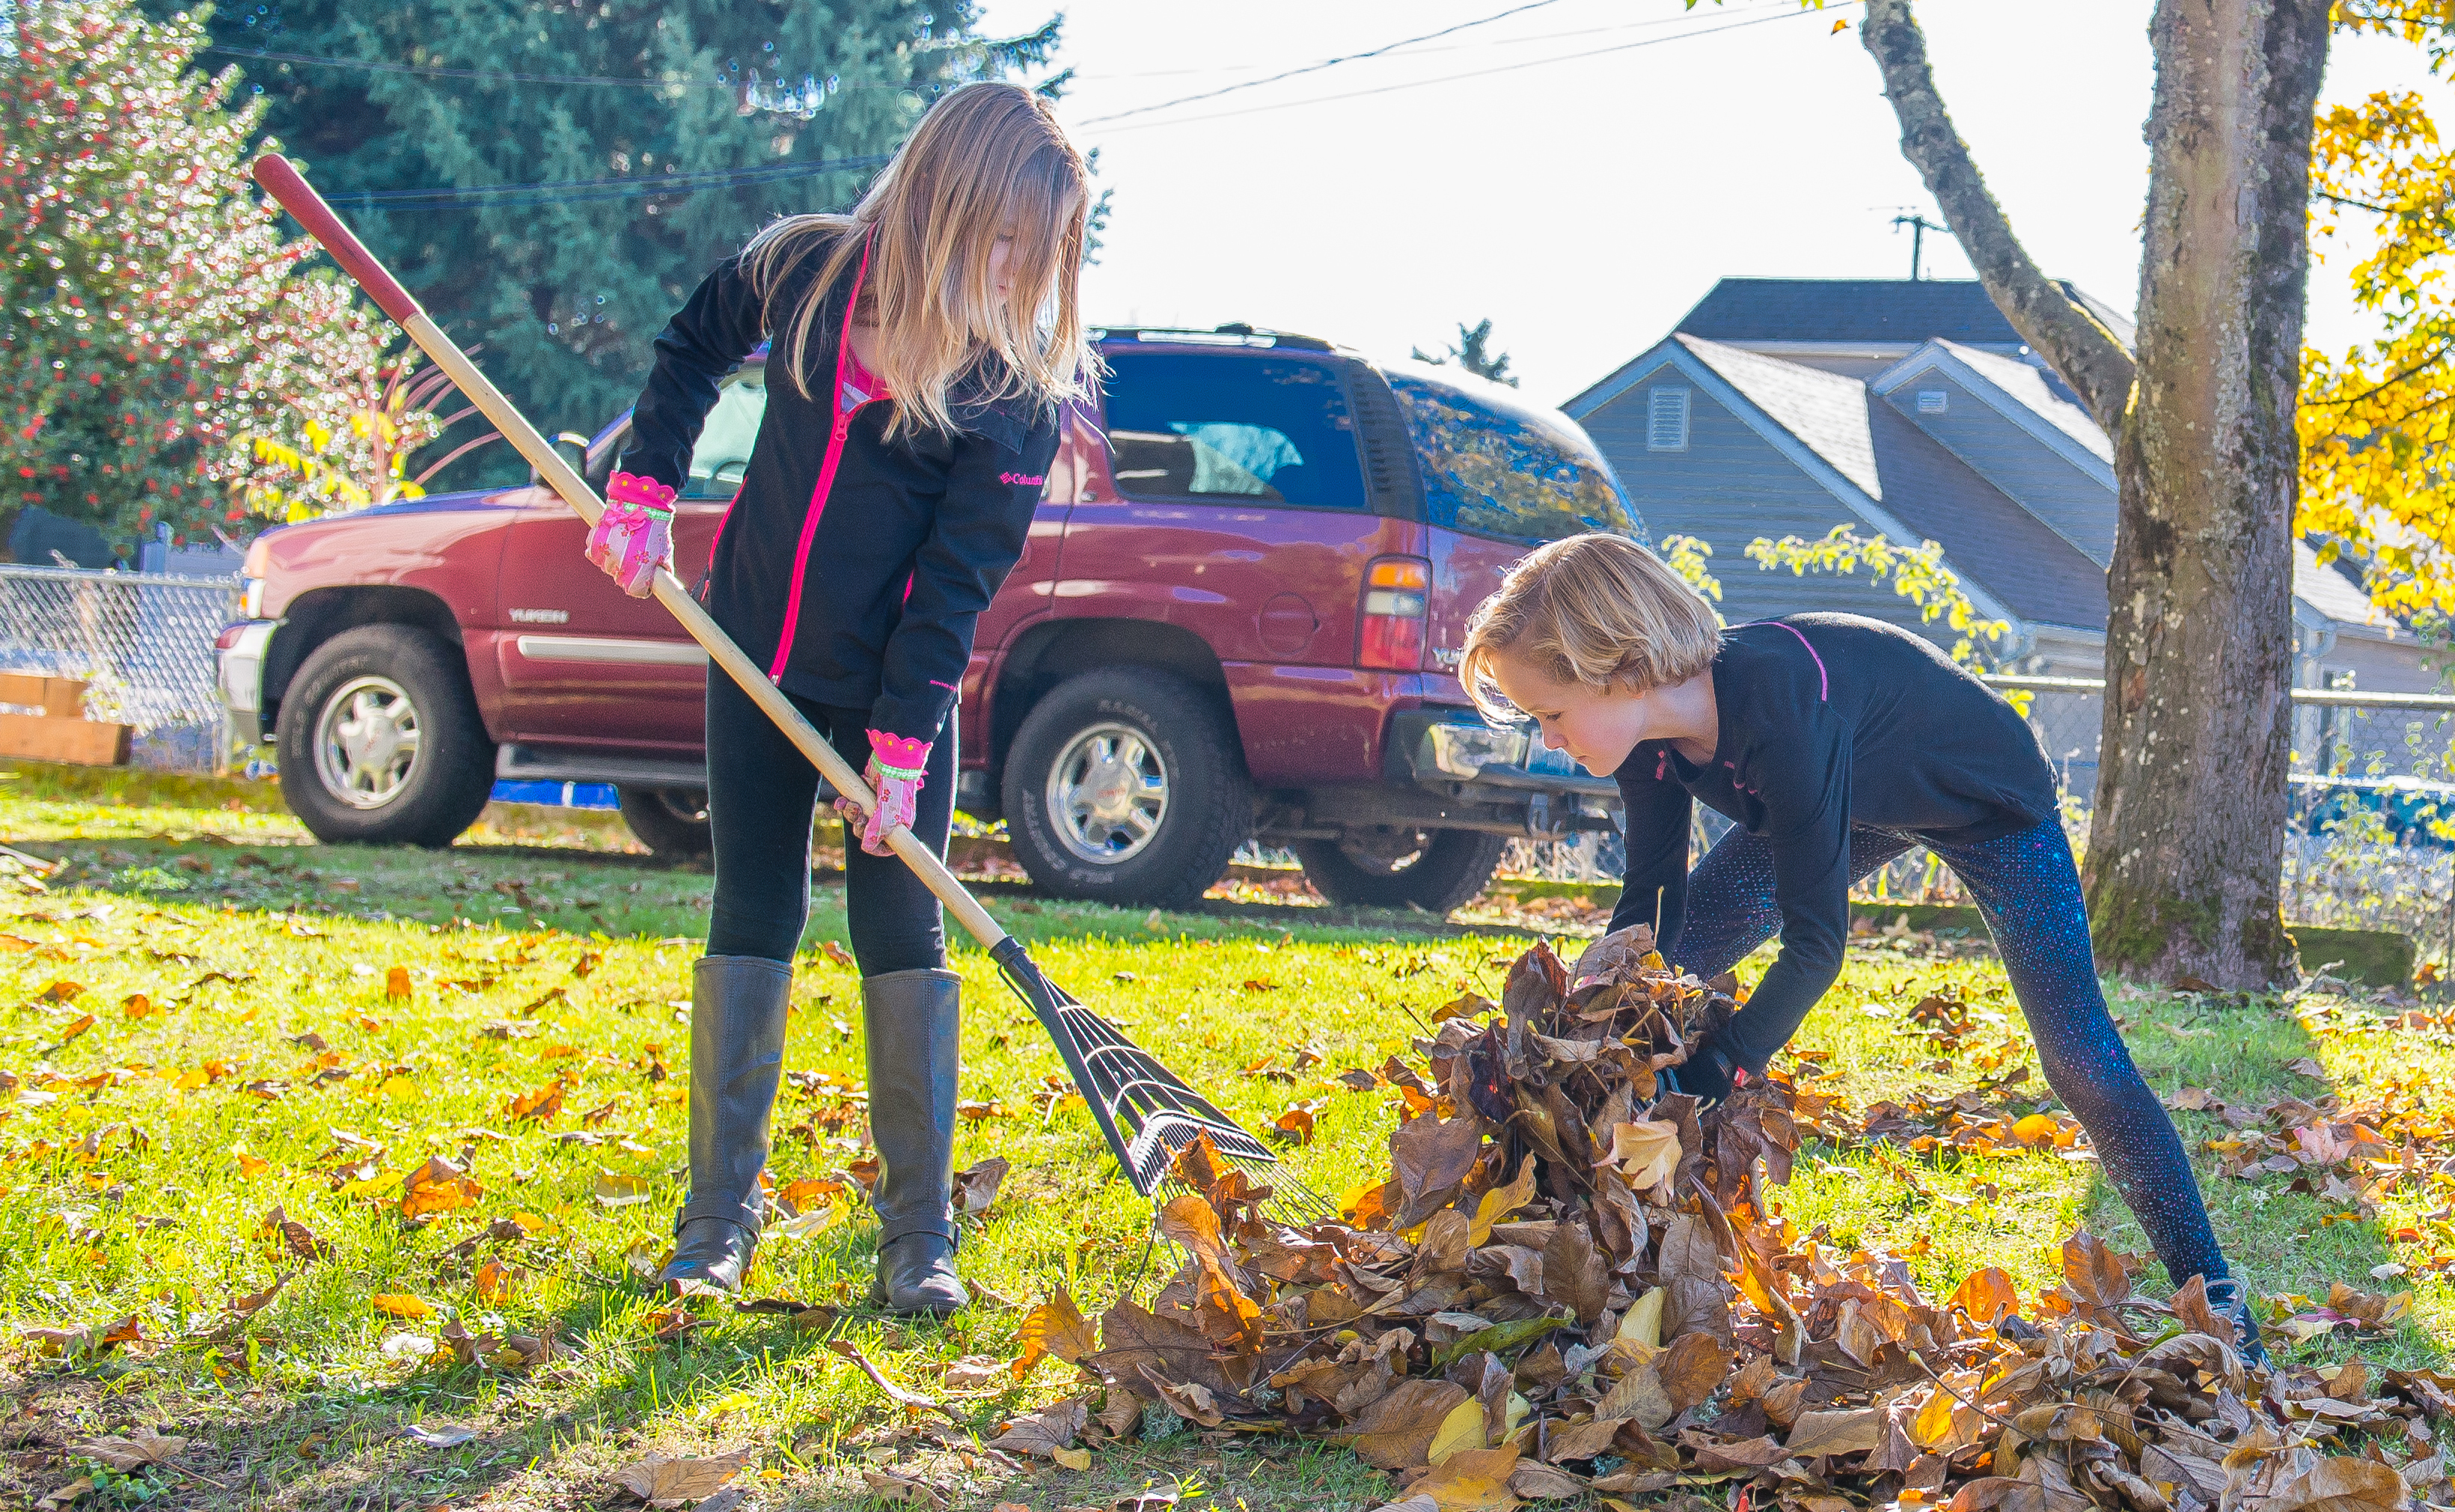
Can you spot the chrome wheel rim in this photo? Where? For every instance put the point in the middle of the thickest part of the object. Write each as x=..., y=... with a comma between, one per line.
x=1107, y=794
x=367, y=742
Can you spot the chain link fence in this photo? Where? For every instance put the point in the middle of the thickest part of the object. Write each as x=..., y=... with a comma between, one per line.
x=141, y=642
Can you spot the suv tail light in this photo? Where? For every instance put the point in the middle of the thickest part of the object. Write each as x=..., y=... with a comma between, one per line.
x=1392, y=634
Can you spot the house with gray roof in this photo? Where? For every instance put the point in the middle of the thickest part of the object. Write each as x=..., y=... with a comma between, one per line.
x=1912, y=410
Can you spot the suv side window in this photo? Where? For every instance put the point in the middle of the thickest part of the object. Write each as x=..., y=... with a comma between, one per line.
x=1269, y=430
x=1497, y=465
x=724, y=450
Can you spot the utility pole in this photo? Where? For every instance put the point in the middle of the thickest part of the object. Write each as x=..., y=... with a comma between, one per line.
x=1919, y=226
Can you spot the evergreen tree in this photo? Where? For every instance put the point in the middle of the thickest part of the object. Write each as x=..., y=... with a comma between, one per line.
x=141, y=287
x=1474, y=353
x=565, y=290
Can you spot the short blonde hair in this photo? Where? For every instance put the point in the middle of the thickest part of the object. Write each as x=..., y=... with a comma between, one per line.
x=1594, y=611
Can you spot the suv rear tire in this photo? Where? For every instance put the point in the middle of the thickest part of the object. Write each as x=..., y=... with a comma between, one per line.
x=1435, y=869
x=381, y=740
x=670, y=821
x=1127, y=786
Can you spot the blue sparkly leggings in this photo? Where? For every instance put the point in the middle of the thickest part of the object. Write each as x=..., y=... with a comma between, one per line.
x=2027, y=889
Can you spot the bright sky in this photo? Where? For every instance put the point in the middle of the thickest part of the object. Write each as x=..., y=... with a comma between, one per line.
x=1584, y=205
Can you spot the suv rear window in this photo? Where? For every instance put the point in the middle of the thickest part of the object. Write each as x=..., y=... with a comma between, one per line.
x=1497, y=465
x=1269, y=430
x=724, y=441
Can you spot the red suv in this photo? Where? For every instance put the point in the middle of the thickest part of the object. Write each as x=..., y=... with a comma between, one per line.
x=1236, y=618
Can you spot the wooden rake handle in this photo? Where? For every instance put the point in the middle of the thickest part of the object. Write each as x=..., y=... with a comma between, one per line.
x=280, y=178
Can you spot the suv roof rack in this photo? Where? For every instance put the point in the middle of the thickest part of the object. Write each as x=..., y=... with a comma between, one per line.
x=1235, y=333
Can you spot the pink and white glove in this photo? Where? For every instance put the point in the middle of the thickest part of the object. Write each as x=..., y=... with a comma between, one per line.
x=897, y=766
x=634, y=536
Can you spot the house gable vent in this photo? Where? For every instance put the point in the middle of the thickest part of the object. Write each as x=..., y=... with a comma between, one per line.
x=1666, y=421
x=1932, y=401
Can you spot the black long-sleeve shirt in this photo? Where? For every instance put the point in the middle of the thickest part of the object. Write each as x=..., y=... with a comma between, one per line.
x=904, y=548
x=1826, y=721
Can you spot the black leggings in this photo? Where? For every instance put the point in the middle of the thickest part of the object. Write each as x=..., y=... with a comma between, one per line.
x=2027, y=889
x=760, y=796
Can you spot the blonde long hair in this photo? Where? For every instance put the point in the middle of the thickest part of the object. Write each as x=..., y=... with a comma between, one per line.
x=1594, y=611
x=987, y=160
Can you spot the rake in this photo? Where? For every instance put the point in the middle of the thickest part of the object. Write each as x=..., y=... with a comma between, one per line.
x=1146, y=1112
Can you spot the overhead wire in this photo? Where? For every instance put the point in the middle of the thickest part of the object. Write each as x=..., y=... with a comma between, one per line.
x=1475, y=73
x=1328, y=63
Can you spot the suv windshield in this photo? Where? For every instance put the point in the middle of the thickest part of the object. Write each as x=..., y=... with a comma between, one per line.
x=1497, y=465
x=1268, y=430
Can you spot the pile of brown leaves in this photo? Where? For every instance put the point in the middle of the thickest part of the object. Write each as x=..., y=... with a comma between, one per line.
x=1569, y=1285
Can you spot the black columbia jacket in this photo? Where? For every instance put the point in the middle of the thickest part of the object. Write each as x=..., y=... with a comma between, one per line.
x=859, y=590
x=1827, y=721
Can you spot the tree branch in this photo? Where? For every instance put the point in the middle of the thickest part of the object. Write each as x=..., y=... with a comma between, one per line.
x=2079, y=349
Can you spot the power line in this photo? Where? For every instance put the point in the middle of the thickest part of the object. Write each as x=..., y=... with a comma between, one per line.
x=1478, y=73
x=1495, y=42
x=573, y=190
x=1326, y=63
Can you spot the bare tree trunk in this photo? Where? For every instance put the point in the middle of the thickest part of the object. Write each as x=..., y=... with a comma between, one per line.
x=2187, y=853
x=2186, y=845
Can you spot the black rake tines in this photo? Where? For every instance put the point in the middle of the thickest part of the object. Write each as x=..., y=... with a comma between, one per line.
x=1145, y=1111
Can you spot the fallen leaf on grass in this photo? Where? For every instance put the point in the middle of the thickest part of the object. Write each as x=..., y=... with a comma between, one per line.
x=541, y=1104
x=137, y=1005
x=295, y=1236
x=1055, y=1327
x=663, y=1483
x=1295, y=1123
x=896, y=1490
x=61, y=991
x=975, y=1371
x=835, y=951
x=67, y=1494
x=81, y=1023
x=438, y=1187
x=976, y=1186
x=973, y=1108
x=1077, y=1460
x=1044, y=1432
x=141, y=1447
x=614, y=1189
x=402, y=1304
x=397, y=982
x=496, y=1282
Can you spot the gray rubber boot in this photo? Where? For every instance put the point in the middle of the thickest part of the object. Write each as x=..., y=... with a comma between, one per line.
x=912, y=1019
x=737, y=1009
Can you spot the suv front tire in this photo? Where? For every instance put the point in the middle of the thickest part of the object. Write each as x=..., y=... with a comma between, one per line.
x=380, y=741
x=1127, y=786
x=670, y=821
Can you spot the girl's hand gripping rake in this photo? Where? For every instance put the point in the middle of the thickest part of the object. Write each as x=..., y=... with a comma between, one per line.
x=1144, y=1110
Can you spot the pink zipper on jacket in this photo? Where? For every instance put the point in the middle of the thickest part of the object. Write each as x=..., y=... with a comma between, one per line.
x=840, y=426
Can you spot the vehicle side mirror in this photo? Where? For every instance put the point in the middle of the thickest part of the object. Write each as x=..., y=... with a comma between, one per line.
x=601, y=472
x=573, y=448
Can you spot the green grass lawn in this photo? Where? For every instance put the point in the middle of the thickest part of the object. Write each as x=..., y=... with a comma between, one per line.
x=143, y=1144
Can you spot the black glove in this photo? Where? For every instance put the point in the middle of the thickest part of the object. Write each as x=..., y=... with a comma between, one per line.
x=1709, y=1075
